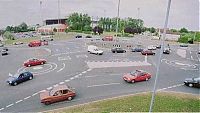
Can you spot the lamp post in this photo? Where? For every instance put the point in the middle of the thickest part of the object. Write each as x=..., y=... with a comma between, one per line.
x=117, y=18
x=159, y=59
x=41, y=18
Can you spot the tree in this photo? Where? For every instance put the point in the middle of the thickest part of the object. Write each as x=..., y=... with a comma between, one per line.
x=152, y=30
x=183, y=30
x=54, y=30
x=8, y=35
x=98, y=30
x=23, y=27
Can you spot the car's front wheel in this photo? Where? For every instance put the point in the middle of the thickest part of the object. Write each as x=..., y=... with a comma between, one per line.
x=133, y=81
x=147, y=79
x=69, y=98
x=15, y=83
x=30, y=77
x=29, y=65
x=42, y=63
x=47, y=103
x=190, y=85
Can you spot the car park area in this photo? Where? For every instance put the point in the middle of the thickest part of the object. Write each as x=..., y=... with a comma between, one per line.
x=70, y=71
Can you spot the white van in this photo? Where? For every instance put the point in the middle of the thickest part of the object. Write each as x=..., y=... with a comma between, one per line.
x=47, y=38
x=94, y=50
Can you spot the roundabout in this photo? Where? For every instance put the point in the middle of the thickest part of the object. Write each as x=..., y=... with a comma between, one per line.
x=39, y=70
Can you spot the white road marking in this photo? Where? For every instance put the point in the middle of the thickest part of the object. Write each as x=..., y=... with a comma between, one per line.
x=76, y=76
x=34, y=94
x=64, y=58
x=84, y=71
x=9, y=105
x=80, y=74
x=27, y=97
x=67, y=80
x=42, y=91
x=1, y=109
x=49, y=88
x=61, y=83
x=192, y=57
x=100, y=75
x=61, y=68
x=103, y=85
x=56, y=85
x=19, y=101
x=170, y=87
x=71, y=78
x=89, y=70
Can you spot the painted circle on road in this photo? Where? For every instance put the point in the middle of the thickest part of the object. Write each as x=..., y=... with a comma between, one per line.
x=39, y=70
x=182, y=65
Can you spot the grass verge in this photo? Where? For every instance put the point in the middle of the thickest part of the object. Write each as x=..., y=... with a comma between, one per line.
x=165, y=102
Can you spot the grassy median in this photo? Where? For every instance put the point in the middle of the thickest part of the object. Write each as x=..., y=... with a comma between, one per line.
x=165, y=102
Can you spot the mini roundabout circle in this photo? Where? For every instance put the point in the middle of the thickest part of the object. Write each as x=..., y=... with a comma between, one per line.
x=40, y=69
x=181, y=65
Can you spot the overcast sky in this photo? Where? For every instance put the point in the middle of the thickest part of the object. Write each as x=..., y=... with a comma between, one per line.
x=183, y=13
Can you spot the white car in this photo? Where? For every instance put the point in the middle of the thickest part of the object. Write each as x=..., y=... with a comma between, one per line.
x=94, y=50
x=151, y=47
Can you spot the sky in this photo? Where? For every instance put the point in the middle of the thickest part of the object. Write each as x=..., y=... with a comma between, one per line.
x=183, y=13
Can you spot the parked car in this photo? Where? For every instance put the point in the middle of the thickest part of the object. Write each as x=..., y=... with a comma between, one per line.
x=57, y=94
x=78, y=36
x=118, y=50
x=158, y=46
x=192, y=82
x=151, y=47
x=1, y=45
x=34, y=62
x=166, y=51
x=147, y=52
x=17, y=43
x=137, y=49
x=35, y=43
x=19, y=78
x=108, y=38
x=88, y=36
x=47, y=38
x=94, y=50
x=4, y=52
x=136, y=76
x=199, y=52
x=5, y=48
x=183, y=45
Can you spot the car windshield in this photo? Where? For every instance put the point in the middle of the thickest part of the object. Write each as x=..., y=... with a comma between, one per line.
x=15, y=75
x=134, y=73
x=197, y=79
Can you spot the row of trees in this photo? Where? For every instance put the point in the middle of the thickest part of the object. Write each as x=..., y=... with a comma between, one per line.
x=23, y=27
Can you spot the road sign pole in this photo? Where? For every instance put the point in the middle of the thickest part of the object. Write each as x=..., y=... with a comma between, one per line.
x=159, y=60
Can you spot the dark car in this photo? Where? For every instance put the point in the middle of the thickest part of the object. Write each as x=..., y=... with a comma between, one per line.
x=158, y=46
x=57, y=94
x=137, y=76
x=19, y=78
x=4, y=52
x=147, y=52
x=192, y=82
x=166, y=51
x=5, y=48
x=34, y=62
x=137, y=49
x=78, y=36
x=183, y=45
x=88, y=36
x=118, y=50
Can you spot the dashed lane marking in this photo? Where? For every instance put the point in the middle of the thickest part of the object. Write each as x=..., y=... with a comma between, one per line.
x=170, y=87
x=84, y=71
x=34, y=94
x=103, y=85
x=56, y=85
x=61, y=68
x=61, y=83
x=1, y=109
x=49, y=88
x=27, y=97
x=18, y=101
x=9, y=105
x=67, y=80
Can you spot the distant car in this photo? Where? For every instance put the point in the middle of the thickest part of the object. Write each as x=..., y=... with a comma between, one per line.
x=137, y=49
x=4, y=52
x=199, y=52
x=108, y=38
x=78, y=36
x=57, y=94
x=1, y=45
x=151, y=47
x=34, y=62
x=147, y=52
x=118, y=50
x=183, y=45
x=47, y=38
x=94, y=50
x=192, y=82
x=17, y=43
x=166, y=51
x=19, y=78
x=136, y=76
x=158, y=46
x=88, y=36
x=5, y=48
x=35, y=43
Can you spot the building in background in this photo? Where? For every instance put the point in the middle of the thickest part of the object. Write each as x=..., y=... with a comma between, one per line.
x=53, y=28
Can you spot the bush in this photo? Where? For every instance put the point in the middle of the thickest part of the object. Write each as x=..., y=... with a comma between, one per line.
x=78, y=31
x=87, y=32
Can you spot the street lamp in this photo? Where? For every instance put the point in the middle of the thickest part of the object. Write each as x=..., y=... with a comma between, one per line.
x=117, y=18
x=160, y=55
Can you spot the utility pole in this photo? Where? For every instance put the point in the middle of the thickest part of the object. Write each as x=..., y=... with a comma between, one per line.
x=160, y=55
x=58, y=17
x=138, y=16
x=41, y=18
x=117, y=18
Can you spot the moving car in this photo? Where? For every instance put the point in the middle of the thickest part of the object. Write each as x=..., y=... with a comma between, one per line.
x=17, y=43
x=151, y=47
x=57, y=94
x=192, y=82
x=4, y=52
x=183, y=45
x=19, y=78
x=88, y=36
x=137, y=49
x=147, y=52
x=35, y=43
x=118, y=50
x=94, y=50
x=136, y=76
x=34, y=62
x=5, y=48
x=158, y=46
x=47, y=38
x=166, y=51
x=108, y=38
x=78, y=36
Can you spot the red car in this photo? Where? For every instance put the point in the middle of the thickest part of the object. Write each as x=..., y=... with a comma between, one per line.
x=34, y=62
x=147, y=52
x=108, y=38
x=136, y=76
x=35, y=43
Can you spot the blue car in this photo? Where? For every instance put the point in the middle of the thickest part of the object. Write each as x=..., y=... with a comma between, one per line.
x=19, y=78
x=137, y=49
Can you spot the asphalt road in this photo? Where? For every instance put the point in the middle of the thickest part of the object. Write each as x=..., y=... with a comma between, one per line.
x=70, y=63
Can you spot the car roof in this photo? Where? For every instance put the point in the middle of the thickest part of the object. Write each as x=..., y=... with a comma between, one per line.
x=60, y=87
